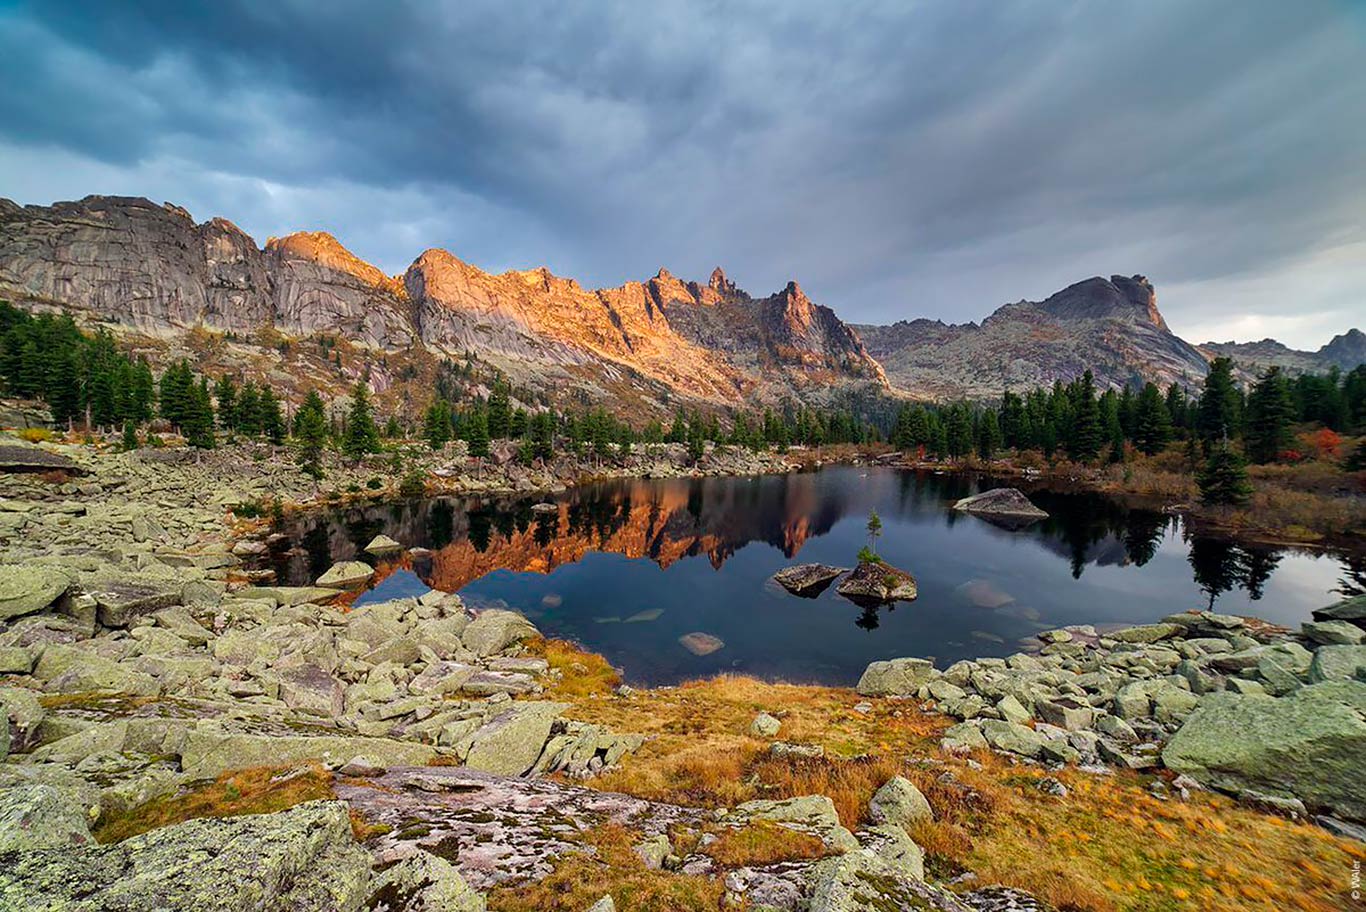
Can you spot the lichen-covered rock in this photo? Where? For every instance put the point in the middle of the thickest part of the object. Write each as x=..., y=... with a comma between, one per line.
x=895, y=677
x=25, y=588
x=1307, y=745
x=808, y=813
x=495, y=630
x=301, y=860
x=346, y=575
x=765, y=725
x=899, y=802
x=511, y=742
x=1012, y=737
x=41, y=816
x=422, y=883
x=210, y=749
x=861, y=881
x=1338, y=663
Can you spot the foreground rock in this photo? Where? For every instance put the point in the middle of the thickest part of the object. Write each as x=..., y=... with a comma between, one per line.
x=874, y=582
x=1309, y=745
x=1005, y=505
x=807, y=580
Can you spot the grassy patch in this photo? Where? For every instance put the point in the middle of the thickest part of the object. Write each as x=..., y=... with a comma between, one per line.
x=582, y=674
x=608, y=864
x=262, y=790
x=762, y=843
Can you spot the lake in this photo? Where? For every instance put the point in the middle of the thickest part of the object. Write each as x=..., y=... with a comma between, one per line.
x=628, y=567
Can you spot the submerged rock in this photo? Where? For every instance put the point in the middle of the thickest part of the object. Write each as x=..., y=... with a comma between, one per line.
x=877, y=583
x=807, y=580
x=1005, y=505
x=701, y=644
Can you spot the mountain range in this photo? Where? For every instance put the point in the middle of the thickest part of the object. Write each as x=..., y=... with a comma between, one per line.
x=152, y=273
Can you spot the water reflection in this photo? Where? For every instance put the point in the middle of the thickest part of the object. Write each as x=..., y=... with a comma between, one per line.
x=678, y=556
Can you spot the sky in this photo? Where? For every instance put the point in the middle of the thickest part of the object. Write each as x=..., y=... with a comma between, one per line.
x=900, y=160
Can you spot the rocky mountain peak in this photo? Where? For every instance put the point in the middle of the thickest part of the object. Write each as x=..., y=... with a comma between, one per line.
x=719, y=283
x=1346, y=350
x=1129, y=298
x=324, y=249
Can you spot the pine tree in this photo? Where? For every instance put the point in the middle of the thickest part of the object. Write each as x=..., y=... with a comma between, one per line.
x=198, y=422
x=1086, y=433
x=1217, y=414
x=1270, y=410
x=248, y=417
x=696, y=444
x=1223, y=480
x=499, y=412
x=958, y=430
x=542, y=436
x=130, y=437
x=272, y=420
x=477, y=435
x=988, y=435
x=361, y=437
x=225, y=391
x=65, y=398
x=1152, y=422
x=436, y=424
x=310, y=430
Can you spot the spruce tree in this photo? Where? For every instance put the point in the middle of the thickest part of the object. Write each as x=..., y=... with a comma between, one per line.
x=197, y=425
x=1217, y=414
x=499, y=412
x=1086, y=433
x=130, y=437
x=988, y=435
x=310, y=430
x=477, y=435
x=225, y=391
x=1152, y=422
x=542, y=436
x=1223, y=481
x=272, y=420
x=1270, y=410
x=436, y=424
x=361, y=437
x=248, y=417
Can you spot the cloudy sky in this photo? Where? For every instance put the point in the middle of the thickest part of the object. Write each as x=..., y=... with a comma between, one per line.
x=899, y=159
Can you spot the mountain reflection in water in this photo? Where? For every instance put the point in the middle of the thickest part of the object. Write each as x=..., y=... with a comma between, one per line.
x=628, y=567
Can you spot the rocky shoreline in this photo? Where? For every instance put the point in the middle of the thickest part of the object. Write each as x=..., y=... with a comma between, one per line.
x=436, y=755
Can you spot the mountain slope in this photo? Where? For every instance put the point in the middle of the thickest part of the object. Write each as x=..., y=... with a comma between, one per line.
x=151, y=269
x=1344, y=351
x=1111, y=326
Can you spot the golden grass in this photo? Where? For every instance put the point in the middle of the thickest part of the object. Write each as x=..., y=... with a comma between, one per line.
x=608, y=864
x=261, y=790
x=580, y=674
x=763, y=843
x=1108, y=846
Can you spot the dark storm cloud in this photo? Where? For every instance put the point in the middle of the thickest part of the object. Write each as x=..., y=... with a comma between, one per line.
x=899, y=159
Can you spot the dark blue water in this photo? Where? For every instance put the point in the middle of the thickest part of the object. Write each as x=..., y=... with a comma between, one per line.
x=627, y=568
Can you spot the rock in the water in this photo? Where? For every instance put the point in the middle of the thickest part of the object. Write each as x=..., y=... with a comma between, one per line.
x=346, y=575
x=41, y=816
x=807, y=580
x=1007, y=504
x=495, y=630
x=899, y=802
x=29, y=588
x=701, y=644
x=382, y=545
x=1352, y=609
x=878, y=583
x=895, y=677
x=1307, y=745
x=301, y=860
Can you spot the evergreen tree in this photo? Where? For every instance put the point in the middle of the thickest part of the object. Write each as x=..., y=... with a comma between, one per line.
x=958, y=430
x=499, y=412
x=988, y=435
x=130, y=437
x=1086, y=433
x=1270, y=409
x=361, y=437
x=65, y=398
x=248, y=417
x=1223, y=480
x=176, y=393
x=542, y=436
x=272, y=419
x=1152, y=422
x=310, y=430
x=696, y=443
x=477, y=435
x=1217, y=413
x=225, y=392
x=436, y=424
x=198, y=422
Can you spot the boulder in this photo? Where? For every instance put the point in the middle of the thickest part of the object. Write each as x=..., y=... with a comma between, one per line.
x=511, y=742
x=862, y=881
x=1002, y=503
x=1307, y=745
x=1333, y=632
x=764, y=726
x=807, y=580
x=122, y=600
x=422, y=882
x=346, y=575
x=1338, y=663
x=895, y=677
x=900, y=803
x=1012, y=737
x=301, y=860
x=29, y=588
x=495, y=630
x=874, y=582
x=893, y=845
x=68, y=669
x=382, y=545
x=1352, y=609
x=210, y=749
x=808, y=813
x=40, y=816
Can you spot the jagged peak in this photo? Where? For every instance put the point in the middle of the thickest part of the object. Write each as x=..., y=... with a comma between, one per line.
x=719, y=283
x=324, y=249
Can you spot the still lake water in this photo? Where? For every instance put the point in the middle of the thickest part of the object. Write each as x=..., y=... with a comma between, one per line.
x=628, y=567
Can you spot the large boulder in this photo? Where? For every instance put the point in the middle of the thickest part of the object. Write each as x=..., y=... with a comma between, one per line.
x=1307, y=745
x=1352, y=609
x=68, y=669
x=511, y=743
x=29, y=588
x=1338, y=663
x=813, y=814
x=346, y=575
x=1006, y=505
x=301, y=860
x=210, y=749
x=899, y=802
x=863, y=881
x=874, y=582
x=495, y=630
x=895, y=677
x=41, y=816
x=423, y=883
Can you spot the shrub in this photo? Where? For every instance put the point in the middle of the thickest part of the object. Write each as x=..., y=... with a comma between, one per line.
x=414, y=484
x=36, y=435
x=867, y=555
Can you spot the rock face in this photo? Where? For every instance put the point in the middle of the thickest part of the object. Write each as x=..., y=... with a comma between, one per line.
x=151, y=269
x=1001, y=503
x=807, y=580
x=1307, y=745
x=874, y=582
x=1344, y=352
x=1111, y=326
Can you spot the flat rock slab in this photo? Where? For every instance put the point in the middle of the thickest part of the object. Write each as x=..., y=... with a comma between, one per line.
x=494, y=828
x=346, y=575
x=15, y=459
x=878, y=583
x=807, y=580
x=29, y=588
x=1005, y=506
